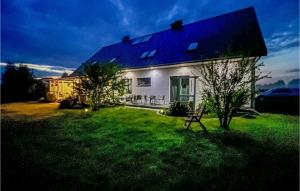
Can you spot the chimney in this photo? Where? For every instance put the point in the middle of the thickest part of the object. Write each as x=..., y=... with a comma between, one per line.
x=176, y=25
x=125, y=39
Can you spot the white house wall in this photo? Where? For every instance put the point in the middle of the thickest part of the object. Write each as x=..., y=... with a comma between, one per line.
x=160, y=80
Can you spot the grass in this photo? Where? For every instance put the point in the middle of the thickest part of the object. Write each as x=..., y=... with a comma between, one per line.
x=134, y=149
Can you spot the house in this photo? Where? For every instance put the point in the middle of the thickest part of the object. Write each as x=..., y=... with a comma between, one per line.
x=164, y=64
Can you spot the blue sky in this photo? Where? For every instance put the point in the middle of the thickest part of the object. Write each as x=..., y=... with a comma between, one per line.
x=61, y=34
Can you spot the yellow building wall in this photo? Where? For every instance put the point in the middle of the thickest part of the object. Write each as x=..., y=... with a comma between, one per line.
x=60, y=89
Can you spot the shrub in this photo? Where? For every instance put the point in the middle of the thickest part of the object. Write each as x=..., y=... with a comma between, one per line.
x=72, y=103
x=179, y=109
x=67, y=103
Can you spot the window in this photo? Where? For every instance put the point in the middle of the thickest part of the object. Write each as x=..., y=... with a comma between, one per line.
x=142, y=39
x=144, y=54
x=151, y=53
x=193, y=46
x=112, y=60
x=136, y=41
x=128, y=86
x=143, y=82
x=146, y=38
x=148, y=54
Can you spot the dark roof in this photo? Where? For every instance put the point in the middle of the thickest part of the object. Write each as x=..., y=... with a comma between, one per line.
x=236, y=32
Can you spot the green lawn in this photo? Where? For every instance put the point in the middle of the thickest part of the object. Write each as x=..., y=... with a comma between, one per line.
x=135, y=149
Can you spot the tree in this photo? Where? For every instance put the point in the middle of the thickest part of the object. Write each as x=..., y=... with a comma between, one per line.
x=226, y=85
x=102, y=83
x=16, y=82
x=37, y=90
x=64, y=75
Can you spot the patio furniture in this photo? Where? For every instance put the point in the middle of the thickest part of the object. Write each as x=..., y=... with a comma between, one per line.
x=195, y=117
x=161, y=99
x=128, y=99
x=139, y=98
x=152, y=99
x=145, y=99
x=133, y=99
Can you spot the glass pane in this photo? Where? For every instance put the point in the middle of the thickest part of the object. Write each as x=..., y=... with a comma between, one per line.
x=193, y=46
x=144, y=81
x=184, y=98
x=146, y=38
x=144, y=54
x=174, y=89
x=152, y=53
x=184, y=86
x=138, y=40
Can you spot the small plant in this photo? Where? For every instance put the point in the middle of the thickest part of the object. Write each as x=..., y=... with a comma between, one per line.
x=179, y=109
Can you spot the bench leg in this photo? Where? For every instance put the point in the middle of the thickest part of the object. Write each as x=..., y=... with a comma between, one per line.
x=189, y=123
x=203, y=127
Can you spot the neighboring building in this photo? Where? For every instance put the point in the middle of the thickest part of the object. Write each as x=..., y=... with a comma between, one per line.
x=61, y=88
x=164, y=64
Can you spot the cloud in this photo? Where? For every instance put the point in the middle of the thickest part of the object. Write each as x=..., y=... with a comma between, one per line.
x=124, y=12
x=282, y=64
x=282, y=40
x=118, y=4
x=293, y=70
x=172, y=12
x=44, y=68
x=176, y=10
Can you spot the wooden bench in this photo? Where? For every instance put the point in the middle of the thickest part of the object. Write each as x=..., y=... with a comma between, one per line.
x=195, y=117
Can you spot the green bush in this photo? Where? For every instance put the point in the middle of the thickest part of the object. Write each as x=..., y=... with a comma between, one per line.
x=179, y=108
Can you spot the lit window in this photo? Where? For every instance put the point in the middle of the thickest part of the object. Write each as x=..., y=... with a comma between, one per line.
x=112, y=60
x=152, y=53
x=193, y=46
x=143, y=82
x=144, y=54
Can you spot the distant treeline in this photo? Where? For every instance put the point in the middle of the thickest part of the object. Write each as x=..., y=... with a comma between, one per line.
x=19, y=84
x=279, y=84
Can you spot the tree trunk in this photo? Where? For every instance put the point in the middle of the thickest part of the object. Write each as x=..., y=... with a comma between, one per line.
x=224, y=123
x=253, y=80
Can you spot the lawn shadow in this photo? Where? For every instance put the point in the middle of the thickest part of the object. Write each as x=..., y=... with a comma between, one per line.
x=247, y=163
